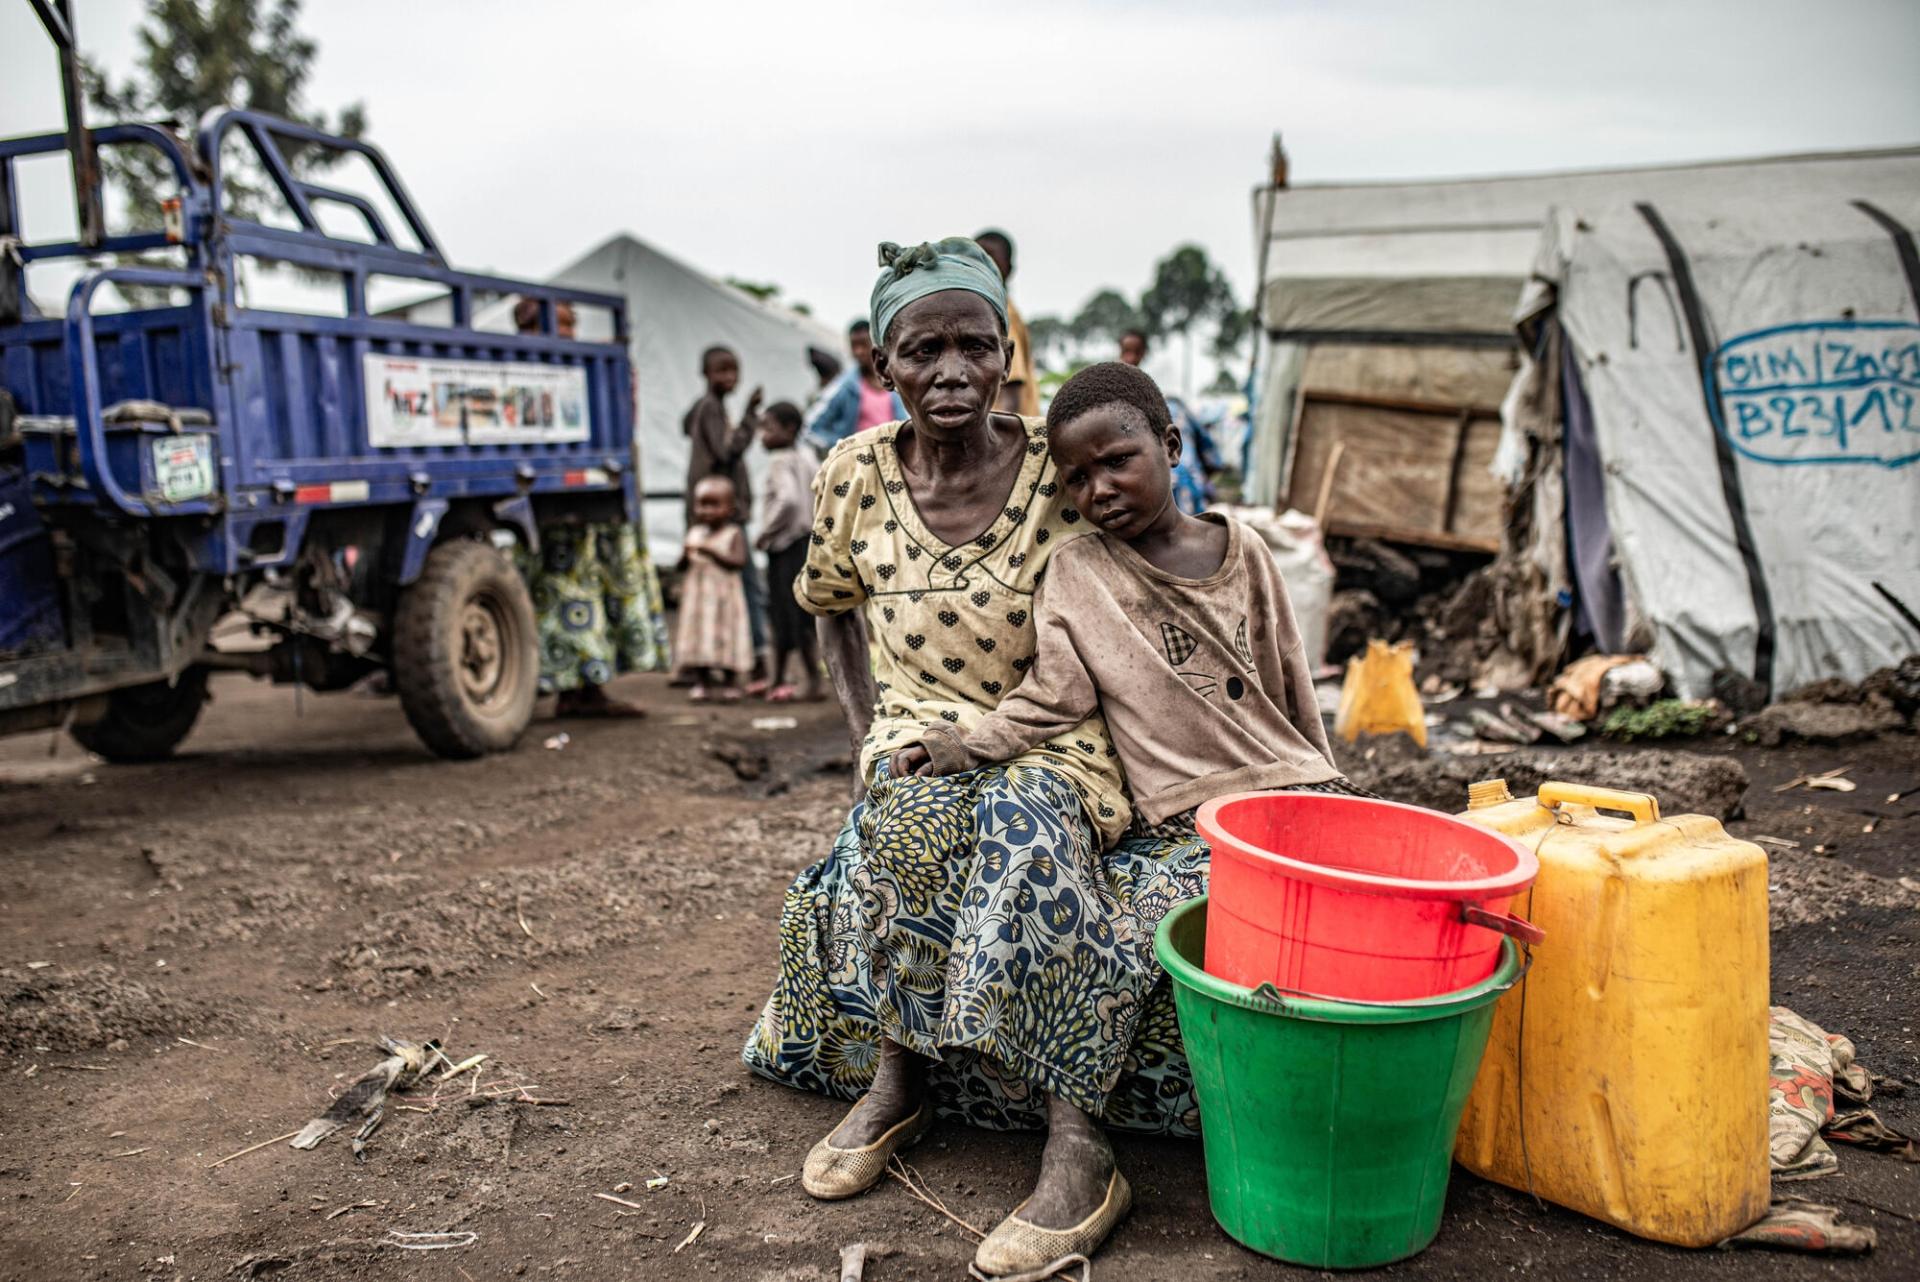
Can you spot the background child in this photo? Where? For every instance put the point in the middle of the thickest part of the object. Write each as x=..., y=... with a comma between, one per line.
x=1178, y=627
x=711, y=642
x=786, y=520
x=717, y=446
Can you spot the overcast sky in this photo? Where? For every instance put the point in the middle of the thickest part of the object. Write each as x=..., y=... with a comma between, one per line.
x=780, y=141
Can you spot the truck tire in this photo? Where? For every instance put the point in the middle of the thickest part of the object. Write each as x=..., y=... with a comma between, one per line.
x=466, y=653
x=146, y=722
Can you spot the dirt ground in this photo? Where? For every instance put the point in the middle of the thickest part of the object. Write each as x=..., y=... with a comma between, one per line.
x=192, y=954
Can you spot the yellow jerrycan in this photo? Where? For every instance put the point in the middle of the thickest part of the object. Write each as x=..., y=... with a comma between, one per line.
x=1628, y=1077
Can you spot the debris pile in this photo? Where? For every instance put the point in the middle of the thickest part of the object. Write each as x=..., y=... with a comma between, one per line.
x=58, y=1009
x=1685, y=782
x=1832, y=711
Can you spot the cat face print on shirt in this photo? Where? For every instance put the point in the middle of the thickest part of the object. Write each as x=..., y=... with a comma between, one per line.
x=1182, y=646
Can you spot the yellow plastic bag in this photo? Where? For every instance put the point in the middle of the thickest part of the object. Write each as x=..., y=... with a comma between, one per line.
x=1378, y=696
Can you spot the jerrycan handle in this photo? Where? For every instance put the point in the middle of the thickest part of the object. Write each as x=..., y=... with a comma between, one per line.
x=1640, y=805
x=1519, y=928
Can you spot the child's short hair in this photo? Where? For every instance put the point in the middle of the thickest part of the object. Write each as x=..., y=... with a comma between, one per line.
x=715, y=484
x=784, y=413
x=1110, y=383
x=712, y=354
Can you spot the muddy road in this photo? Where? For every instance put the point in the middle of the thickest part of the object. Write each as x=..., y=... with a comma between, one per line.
x=193, y=954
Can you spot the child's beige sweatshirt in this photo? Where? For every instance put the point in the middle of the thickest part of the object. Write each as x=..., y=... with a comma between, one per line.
x=1204, y=682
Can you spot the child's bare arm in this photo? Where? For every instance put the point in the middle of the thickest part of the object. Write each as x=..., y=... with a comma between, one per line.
x=729, y=550
x=1057, y=695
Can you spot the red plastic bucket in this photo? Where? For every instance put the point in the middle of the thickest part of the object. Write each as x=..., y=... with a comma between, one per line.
x=1356, y=899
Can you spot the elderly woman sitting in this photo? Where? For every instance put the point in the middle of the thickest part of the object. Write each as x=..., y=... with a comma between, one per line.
x=980, y=945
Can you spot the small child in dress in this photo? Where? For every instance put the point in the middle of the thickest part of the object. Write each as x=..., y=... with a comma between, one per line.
x=786, y=522
x=711, y=643
x=1178, y=627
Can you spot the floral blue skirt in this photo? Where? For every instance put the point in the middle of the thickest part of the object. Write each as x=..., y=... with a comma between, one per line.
x=975, y=920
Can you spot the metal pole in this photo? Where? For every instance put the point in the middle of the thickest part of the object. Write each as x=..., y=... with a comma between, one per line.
x=57, y=17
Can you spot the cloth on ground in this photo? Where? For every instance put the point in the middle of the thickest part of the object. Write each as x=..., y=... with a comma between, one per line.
x=1575, y=692
x=1796, y=1225
x=1812, y=1071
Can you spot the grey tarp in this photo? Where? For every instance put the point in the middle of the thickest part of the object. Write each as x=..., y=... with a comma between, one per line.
x=1753, y=370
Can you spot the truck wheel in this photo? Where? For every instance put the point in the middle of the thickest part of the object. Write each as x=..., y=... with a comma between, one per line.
x=466, y=655
x=146, y=722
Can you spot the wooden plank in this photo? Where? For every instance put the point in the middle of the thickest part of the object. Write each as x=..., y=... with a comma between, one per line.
x=1404, y=534
x=1403, y=405
x=1449, y=376
x=1406, y=470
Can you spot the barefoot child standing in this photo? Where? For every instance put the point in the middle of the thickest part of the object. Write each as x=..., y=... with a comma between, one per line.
x=786, y=520
x=712, y=643
x=1177, y=626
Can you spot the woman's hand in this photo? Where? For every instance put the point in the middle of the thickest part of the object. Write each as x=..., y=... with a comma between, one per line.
x=914, y=759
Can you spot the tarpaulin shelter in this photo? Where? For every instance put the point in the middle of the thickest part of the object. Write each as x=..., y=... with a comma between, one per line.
x=676, y=312
x=1716, y=434
x=1385, y=310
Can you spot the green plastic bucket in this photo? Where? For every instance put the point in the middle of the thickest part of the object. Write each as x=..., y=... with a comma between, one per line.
x=1328, y=1125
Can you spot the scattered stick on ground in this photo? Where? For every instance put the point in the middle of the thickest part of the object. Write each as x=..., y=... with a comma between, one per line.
x=132, y=1152
x=82, y=1068
x=521, y=917
x=608, y=1197
x=251, y=1148
x=188, y=1041
x=470, y=1062
x=429, y=1241
x=351, y=1206
x=1829, y=780
x=916, y=1185
x=693, y=1234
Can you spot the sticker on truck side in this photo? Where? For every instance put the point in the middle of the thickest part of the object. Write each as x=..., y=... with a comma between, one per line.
x=182, y=468
x=414, y=401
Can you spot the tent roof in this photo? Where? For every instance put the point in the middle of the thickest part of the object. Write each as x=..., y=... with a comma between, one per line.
x=675, y=312
x=1751, y=421
x=1449, y=256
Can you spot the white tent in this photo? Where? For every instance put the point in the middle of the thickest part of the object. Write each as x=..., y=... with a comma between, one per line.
x=1404, y=292
x=1720, y=415
x=675, y=313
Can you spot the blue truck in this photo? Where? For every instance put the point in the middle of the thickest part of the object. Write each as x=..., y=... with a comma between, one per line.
x=170, y=455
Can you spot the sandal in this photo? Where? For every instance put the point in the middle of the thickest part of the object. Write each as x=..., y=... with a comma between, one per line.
x=832, y=1173
x=781, y=694
x=1017, y=1249
x=697, y=695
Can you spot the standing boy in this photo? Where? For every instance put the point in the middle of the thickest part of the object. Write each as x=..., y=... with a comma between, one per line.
x=718, y=447
x=785, y=525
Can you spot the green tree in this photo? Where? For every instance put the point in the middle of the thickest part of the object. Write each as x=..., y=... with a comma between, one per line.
x=766, y=292
x=1231, y=335
x=1050, y=336
x=196, y=55
x=1106, y=315
x=1187, y=290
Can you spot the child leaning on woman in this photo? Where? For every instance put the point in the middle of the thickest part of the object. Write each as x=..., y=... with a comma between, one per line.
x=1178, y=627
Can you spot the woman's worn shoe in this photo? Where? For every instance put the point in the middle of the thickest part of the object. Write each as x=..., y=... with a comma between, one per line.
x=833, y=1173
x=1017, y=1247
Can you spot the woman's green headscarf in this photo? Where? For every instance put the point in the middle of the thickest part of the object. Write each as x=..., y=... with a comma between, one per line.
x=907, y=275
